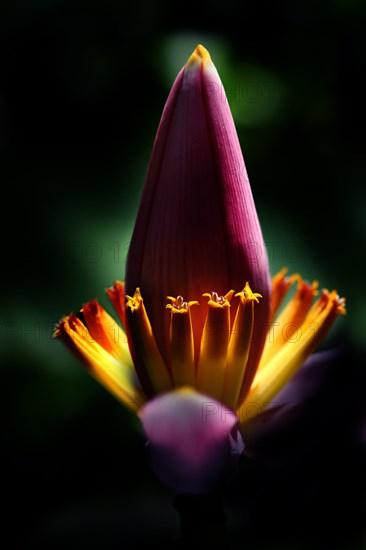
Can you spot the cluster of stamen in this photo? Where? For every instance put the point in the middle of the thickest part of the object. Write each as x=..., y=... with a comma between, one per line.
x=210, y=355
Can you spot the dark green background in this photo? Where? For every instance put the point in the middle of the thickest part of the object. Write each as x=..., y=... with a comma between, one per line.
x=82, y=88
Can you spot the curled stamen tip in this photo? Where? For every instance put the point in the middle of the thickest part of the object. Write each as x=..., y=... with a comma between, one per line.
x=178, y=304
x=134, y=302
x=247, y=295
x=219, y=301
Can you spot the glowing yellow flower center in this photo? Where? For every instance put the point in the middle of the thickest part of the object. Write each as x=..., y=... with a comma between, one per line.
x=218, y=368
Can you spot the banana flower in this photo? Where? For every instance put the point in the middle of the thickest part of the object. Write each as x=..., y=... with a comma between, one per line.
x=202, y=347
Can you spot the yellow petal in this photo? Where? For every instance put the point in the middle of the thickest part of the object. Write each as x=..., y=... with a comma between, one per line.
x=284, y=365
x=287, y=325
x=115, y=376
x=106, y=332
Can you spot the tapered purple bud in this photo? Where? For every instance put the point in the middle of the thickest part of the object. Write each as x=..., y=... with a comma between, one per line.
x=197, y=228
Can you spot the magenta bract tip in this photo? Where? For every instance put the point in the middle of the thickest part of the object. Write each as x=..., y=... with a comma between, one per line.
x=197, y=228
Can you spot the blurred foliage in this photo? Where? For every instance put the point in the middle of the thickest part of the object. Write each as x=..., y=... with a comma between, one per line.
x=82, y=90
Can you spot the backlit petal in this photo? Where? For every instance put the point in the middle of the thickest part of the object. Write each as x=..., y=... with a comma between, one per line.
x=192, y=439
x=115, y=376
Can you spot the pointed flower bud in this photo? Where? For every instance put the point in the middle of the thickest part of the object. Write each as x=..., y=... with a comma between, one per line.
x=197, y=227
x=197, y=235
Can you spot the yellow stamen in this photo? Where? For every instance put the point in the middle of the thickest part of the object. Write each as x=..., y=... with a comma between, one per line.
x=219, y=301
x=287, y=326
x=239, y=345
x=178, y=305
x=145, y=342
x=284, y=365
x=214, y=344
x=181, y=342
x=115, y=376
